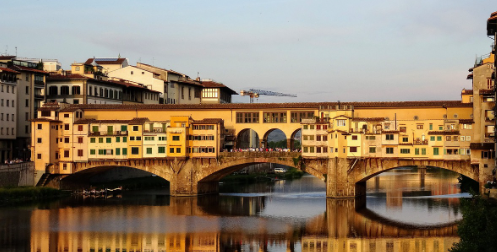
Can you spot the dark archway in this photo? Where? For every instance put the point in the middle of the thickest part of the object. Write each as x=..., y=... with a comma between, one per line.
x=105, y=175
x=296, y=140
x=247, y=138
x=275, y=138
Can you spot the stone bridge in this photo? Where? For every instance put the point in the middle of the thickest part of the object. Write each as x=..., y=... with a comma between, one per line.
x=344, y=177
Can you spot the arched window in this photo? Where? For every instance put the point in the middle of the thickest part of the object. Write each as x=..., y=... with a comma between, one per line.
x=106, y=93
x=64, y=90
x=96, y=91
x=52, y=90
x=101, y=92
x=89, y=91
x=76, y=90
x=111, y=94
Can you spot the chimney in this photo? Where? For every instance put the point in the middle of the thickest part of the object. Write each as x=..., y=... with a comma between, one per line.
x=197, y=79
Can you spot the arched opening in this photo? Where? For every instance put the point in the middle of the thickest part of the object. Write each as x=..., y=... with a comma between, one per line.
x=247, y=138
x=111, y=177
x=275, y=139
x=296, y=140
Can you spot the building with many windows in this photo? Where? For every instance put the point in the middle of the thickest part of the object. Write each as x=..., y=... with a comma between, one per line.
x=8, y=112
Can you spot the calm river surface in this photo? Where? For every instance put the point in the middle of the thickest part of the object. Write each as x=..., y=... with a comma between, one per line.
x=406, y=210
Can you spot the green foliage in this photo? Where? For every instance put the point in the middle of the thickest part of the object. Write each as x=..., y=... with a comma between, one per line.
x=296, y=161
x=278, y=144
x=478, y=228
x=10, y=195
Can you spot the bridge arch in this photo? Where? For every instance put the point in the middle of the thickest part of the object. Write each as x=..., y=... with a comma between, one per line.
x=373, y=167
x=265, y=139
x=247, y=138
x=296, y=135
x=232, y=162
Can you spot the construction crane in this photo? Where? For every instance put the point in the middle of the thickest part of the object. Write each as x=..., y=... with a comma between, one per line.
x=254, y=93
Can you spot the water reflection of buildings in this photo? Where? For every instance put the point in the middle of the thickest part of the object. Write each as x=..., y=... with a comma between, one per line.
x=414, y=182
x=140, y=229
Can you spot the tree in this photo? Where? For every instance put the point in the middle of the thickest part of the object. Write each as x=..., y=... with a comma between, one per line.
x=478, y=228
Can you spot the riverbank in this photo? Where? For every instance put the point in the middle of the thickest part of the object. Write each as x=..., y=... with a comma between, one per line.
x=19, y=195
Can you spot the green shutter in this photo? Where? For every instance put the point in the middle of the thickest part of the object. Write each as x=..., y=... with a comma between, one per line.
x=124, y=128
x=100, y=139
x=108, y=140
x=149, y=150
x=432, y=138
x=118, y=151
x=431, y=126
x=423, y=151
x=92, y=151
x=416, y=151
x=125, y=151
x=125, y=139
x=94, y=128
x=92, y=140
x=118, y=139
x=435, y=151
x=110, y=130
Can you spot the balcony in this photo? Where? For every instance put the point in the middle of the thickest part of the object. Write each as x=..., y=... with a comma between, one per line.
x=420, y=142
x=490, y=134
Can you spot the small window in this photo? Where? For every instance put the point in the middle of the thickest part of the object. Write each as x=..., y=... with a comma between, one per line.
x=389, y=150
x=40, y=126
x=175, y=138
x=135, y=150
x=135, y=128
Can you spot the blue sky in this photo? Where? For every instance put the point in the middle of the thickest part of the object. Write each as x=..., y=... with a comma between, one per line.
x=356, y=50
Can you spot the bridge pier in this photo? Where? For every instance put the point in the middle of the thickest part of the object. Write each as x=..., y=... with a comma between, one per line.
x=339, y=184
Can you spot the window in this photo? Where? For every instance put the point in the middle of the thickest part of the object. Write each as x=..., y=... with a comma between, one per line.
x=80, y=139
x=38, y=140
x=432, y=138
x=100, y=140
x=132, y=138
x=94, y=128
x=389, y=150
x=171, y=150
x=436, y=151
x=175, y=138
x=353, y=149
x=389, y=137
x=92, y=151
x=149, y=150
x=340, y=122
x=125, y=151
x=27, y=88
x=135, y=128
x=372, y=149
x=80, y=127
x=66, y=139
x=108, y=140
x=40, y=126
x=419, y=126
x=162, y=150
x=405, y=151
x=440, y=127
x=80, y=153
x=118, y=139
x=354, y=137
x=447, y=138
x=178, y=150
x=66, y=126
x=423, y=151
x=92, y=140
x=118, y=151
x=125, y=139
x=124, y=128
x=66, y=153
x=439, y=138
x=306, y=126
x=416, y=151
x=38, y=156
x=405, y=139
x=135, y=150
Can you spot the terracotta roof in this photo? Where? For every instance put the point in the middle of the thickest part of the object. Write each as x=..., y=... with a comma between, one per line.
x=4, y=69
x=467, y=91
x=189, y=82
x=118, y=61
x=482, y=146
x=28, y=69
x=163, y=69
x=466, y=121
x=368, y=119
x=7, y=57
x=302, y=105
x=455, y=132
x=213, y=84
x=209, y=121
x=58, y=77
x=42, y=119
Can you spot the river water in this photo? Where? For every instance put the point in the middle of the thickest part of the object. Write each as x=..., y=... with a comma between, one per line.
x=406, y=210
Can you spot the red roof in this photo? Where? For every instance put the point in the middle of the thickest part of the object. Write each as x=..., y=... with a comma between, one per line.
x=301, y=105
x=7, y=57
x=118, y=61
x=4, y=69
x=213, y=84
x=28, y=69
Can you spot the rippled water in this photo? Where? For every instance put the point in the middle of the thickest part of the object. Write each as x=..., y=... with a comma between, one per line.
x=406, y=210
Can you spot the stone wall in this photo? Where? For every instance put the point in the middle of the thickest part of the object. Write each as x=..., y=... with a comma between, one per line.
x=17, y=174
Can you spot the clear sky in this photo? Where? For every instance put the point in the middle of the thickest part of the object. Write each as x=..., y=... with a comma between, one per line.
x=356, y=50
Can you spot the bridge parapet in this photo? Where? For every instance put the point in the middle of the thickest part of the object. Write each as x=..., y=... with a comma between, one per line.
x=260, y=154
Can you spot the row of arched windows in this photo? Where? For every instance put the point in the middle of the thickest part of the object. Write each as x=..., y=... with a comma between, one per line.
x=64, y=90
